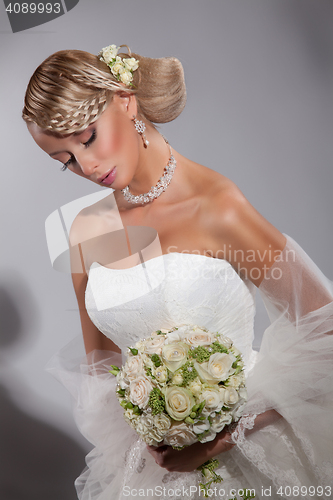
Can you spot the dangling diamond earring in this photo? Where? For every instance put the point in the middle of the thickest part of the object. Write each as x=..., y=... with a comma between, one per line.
x=140, y=127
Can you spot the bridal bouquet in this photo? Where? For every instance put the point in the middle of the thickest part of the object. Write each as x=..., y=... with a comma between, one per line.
x=181, y=386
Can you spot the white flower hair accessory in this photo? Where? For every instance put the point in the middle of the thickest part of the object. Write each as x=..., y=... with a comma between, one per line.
x=122, y=69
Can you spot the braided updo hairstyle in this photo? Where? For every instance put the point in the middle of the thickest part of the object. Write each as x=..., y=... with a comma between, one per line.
x=72, y=88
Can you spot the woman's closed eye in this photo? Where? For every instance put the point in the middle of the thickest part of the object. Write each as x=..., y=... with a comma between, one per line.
x=90, y=140
x=86, y=145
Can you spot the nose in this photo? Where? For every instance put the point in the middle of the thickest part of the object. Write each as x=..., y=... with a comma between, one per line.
x=87, y=163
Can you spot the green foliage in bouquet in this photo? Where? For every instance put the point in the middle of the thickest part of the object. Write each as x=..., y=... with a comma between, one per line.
x=156, y=401
x=181, y=386
x=208, y=471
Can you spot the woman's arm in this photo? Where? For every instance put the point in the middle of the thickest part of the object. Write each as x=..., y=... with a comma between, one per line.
x=80, y=232
x=92, y=336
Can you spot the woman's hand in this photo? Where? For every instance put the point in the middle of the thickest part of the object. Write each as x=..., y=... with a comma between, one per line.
x=190, y=457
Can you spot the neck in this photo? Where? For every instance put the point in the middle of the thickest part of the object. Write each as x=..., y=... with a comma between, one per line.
x=152, y=162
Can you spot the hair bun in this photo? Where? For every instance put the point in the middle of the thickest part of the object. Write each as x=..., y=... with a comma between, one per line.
x=161, y=90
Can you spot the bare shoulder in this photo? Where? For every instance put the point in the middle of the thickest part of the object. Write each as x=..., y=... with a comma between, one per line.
x=205, y=182
x=232, y=222
x=94, y=234
x=221, y=201
x=220, y=198
x=225, y=203
x=95, y=220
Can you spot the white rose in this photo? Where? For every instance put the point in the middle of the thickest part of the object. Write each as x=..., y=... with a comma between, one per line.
x=133, y=367
x=180, y=435
x=125, y=76
x=219, y=421
x=160, y=373
x=117, y=66
x=178, y=402
x=212, y=398
x=154, y=344
x=140, y=390
x=218, y=368
x=195, y=387
x=198, y=337
x=109, y=53
x=229, y=395
x=174, y=355
x=220, y=365
x=162, y=423
x=131, y=63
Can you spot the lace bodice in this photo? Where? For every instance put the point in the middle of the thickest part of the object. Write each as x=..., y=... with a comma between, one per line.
x=170, y=290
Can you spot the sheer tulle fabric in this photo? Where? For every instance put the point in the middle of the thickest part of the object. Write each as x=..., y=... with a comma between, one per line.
x=293, y=375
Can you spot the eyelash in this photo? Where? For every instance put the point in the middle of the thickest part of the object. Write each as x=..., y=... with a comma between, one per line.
x=65, y=165
x=86, y=145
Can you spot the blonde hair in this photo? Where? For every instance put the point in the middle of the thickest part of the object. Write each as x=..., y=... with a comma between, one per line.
x=72, y=88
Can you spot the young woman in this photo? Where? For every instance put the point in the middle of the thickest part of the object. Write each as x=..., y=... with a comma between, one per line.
x=177, y=243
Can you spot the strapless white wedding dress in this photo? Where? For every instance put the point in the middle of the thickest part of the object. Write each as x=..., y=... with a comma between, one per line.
x=174, y=289
x=170, y=290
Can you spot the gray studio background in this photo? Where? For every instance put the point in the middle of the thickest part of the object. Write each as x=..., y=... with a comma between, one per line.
x=260, y=110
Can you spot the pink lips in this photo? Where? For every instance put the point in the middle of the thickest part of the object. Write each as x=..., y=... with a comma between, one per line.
x=109, y=179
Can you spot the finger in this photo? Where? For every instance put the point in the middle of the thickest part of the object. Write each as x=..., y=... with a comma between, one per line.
x=152, y=448
x=159, y=449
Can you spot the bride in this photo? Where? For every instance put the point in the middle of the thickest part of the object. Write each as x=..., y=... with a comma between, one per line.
x=177, y=243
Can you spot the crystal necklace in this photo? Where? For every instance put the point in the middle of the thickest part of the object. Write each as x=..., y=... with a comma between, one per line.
x=155, y=191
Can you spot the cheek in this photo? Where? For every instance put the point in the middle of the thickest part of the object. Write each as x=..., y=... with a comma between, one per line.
x=118, y=142
x=110, y=144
